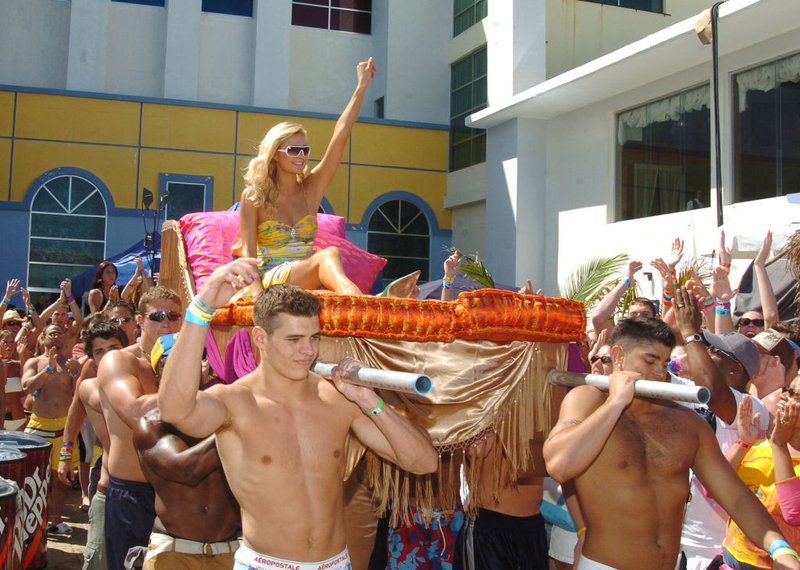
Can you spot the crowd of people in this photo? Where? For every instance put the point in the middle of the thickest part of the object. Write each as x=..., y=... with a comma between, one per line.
x=181, y=470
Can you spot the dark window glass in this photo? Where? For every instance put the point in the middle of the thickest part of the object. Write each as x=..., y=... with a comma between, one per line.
x=399, y=231
x=664, y=156
x=159, y=3
x=468, y=89
x=767, y=130
x=68, y=231
x=648, y=5
x=466, y=13
x=342, y=15
x=232, y=7
x=184, y=198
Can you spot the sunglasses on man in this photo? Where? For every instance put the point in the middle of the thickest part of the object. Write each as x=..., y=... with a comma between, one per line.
x=158, y=316
x=794, y=394
x=603, y=359
x=294, y=150
x=121, y=320
x=755, y=322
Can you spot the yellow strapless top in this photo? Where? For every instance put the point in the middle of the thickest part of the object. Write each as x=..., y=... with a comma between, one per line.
x=278, y=243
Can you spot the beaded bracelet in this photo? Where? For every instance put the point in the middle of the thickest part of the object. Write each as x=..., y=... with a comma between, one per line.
x=203, y=306
x=70, y=300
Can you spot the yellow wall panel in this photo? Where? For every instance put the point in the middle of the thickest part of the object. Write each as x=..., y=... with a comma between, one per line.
x=253, y=128
x=79, y=119
x=400, y=146
x=6, y=113
x=114, y=166
x=368, y=183
x=5, y=167
x=188, y=128
x=218, y=166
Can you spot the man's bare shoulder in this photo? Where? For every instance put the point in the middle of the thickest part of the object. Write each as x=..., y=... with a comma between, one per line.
x=118, y=362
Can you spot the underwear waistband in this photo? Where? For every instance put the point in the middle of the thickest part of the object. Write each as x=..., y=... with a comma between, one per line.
x=247, y=559
x=160, y=542
x=589, y=564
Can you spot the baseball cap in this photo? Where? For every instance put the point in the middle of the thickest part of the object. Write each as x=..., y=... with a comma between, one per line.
x=738, y=346
x=11, y=315
x=776, y=344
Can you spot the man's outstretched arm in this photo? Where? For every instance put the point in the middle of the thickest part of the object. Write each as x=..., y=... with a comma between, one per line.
x=196, y=413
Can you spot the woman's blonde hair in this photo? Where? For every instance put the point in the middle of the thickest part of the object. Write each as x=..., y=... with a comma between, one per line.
x=259, y=179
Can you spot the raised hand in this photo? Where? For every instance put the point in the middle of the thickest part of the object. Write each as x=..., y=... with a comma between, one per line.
x=12, y=288
x=113, y=293
x=675, y=254
x=366, y=71
x=633, y=268
x=66, y=287
x=721, y=285
x=229, y=279
x=452, y=265
x=747, y=423
x=687, y=315
x=785, y=422
x=26, y=298
x=724, y=251
x=763, y=253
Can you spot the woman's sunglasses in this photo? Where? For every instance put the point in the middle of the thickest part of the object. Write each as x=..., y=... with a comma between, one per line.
x=755, y=322
x=295, y=151
x=603, y=359
x=159, y=316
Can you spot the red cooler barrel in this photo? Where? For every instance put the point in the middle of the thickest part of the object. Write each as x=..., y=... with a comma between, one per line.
x=12, y=470
x=34, y=495
x=9, y=559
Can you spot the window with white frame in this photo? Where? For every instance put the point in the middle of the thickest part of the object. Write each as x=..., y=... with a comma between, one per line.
x=67, y=231
x=766, y=130
x=647, y=5
x=467, y=13
x=468, y=93
x=664, y=156
x=342, y=15
x=399, y=231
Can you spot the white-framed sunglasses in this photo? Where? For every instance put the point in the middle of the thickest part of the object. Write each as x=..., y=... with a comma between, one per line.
x=295, y=150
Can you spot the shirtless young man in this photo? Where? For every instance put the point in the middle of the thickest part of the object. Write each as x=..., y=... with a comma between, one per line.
x=282, y=430
x=59, y=312
x=630, y=461
x=49, y=378
x=101, y=339
x=127, y=391
x=198, y=518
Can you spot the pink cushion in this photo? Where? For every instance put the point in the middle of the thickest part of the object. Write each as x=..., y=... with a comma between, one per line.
x=209, y=237
x=331, y=224
x=360, y=266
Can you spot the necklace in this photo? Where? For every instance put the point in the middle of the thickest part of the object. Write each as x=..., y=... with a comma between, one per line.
x=144, y=354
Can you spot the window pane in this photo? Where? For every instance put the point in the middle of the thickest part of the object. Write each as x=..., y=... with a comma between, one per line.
x=365, y=5
x=756, y=155
x=94, y=206
x=461, y=5
x=384, y=219
x=325, y=3
x=159, y=3
x=232, y=7
x=790, y=138
x=460, y=74
x=58, y=251
x=47, y=225
x=394, y=239
x=461, y=101
x=309, y=16
x=412, y=220
x=44, y=202
x=184, y=199
x=348, y=21
x=468, y=94
x=49, y=276
x=481, y=10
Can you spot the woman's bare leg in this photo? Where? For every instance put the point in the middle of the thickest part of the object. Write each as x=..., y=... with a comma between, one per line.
x=323, y=268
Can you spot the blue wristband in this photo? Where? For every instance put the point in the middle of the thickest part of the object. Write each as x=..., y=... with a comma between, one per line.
x=628, y=281
x=776, y=544
x=190, y=317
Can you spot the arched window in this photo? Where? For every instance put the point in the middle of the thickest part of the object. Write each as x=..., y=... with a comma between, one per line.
x=399, y=231
x=68, y=231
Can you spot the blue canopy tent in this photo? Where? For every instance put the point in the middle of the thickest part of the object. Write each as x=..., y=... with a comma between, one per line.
x=125, y=264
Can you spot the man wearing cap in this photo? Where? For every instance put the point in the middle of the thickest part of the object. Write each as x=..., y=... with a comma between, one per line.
x=724, y=364
x=198, y=517
x=127, y=391
x=777, y=358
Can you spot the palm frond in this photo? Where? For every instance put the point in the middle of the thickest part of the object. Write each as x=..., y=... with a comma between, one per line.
x=594, y=278
x=474, y=268
x=701, y=267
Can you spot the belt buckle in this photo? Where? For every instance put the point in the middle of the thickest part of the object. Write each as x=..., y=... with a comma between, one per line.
x=208, y=549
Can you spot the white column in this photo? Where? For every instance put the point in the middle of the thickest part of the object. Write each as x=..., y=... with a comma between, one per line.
x=272, y=61
x=88, y=45
x=182, y=58
x=516, y=202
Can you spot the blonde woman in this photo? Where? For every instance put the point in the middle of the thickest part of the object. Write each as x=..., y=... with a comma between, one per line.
x=280, y=201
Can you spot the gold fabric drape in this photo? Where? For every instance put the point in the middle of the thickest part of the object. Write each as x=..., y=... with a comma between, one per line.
x=477, y=386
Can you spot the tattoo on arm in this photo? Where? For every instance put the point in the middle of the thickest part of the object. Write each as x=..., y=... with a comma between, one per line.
x=568, y=422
